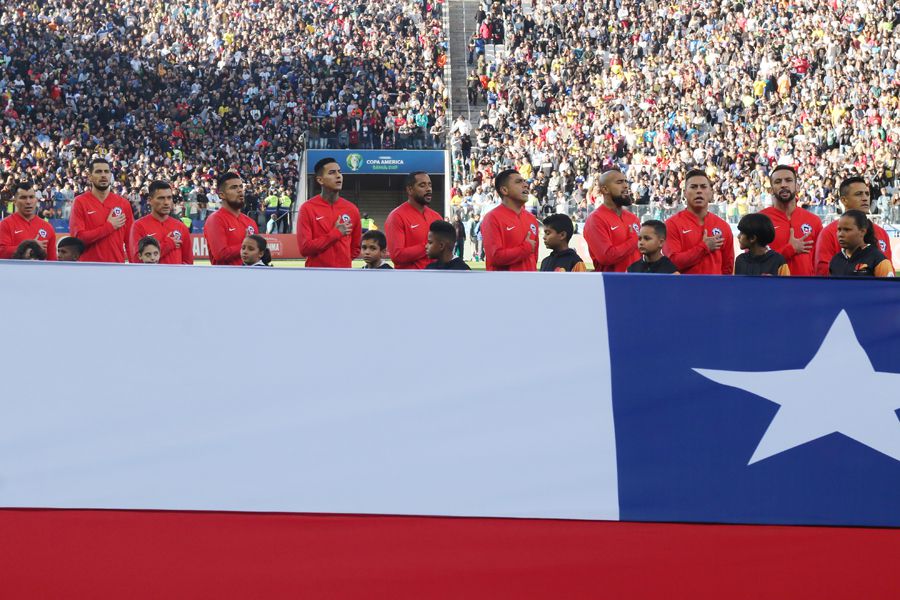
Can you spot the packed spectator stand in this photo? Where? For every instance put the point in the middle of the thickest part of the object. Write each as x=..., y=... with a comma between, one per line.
x=185, y=91
x=562, y=91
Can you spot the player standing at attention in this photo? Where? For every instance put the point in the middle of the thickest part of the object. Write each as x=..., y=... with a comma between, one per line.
x=174, y=239
x=24, y=224
x=855, y=195
x=226, y=228
x=407, y=225
x=101, y=219
x=510, y=232
x=611, y=232
x=697, y=241
x=796, y=229
x=329, y=228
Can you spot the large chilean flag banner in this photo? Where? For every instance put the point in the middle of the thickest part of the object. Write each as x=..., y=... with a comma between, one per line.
x=230, y=432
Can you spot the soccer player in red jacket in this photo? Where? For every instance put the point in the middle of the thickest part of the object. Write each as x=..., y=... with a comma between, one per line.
x=329, y=229
x=510, y=232
x=226, y=228
x=697, y=241
x=24, y=224
x=796, y=229
x=102, y=219
x=407, y=226
x=855, y=195
x=611, y=232
x=171, y=234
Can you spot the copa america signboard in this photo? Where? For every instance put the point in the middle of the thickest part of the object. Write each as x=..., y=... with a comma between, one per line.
x=381, y=162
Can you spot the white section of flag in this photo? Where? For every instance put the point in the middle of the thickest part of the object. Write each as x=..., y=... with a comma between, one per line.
x=460, y=394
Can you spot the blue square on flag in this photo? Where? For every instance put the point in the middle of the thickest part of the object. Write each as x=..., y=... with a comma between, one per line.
x=784, y=412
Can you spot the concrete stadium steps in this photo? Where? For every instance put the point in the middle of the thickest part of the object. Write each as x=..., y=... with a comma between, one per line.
x=460, y=28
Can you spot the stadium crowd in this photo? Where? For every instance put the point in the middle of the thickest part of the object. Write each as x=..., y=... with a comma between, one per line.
x=730, y=87
x=187, y=90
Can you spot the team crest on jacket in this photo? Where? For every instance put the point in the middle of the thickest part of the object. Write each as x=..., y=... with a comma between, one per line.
x=636, y=227
x=345, y=218
x=534, y=228
x=883, y=246
x=117, y=211
x=716, y=231
x=42, y=233
x=250, y=230
x=806, y=228
x=176, y=235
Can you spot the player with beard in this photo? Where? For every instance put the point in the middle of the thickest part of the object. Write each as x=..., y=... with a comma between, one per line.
x=611, y=231
x=855, y=195
x=329, y=229
x=102, y=219
x=407, y=225
x=171, y=234
x=226, y=228
x=698, y=242
x=796, y=229
x=510, y=232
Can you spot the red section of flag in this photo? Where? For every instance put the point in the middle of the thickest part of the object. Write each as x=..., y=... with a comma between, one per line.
x=126, y=554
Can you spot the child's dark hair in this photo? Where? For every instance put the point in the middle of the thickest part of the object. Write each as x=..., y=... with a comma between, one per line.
x=862, y=221
x=376, y=236
x=30, y=248
x=758, y=226
x=658, y=227
x=444, y=231
x=71, y=242
x=264, y=246
x=561, y=224
x=147, y=241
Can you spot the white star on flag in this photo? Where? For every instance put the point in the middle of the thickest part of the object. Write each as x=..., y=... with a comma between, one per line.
x=838, y=392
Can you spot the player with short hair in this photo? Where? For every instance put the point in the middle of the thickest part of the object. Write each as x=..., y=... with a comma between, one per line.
x=509, y=231
x=69, y=249
x=174, y=239
x=651, y=239
x=439, y=248
x=855, y=194
x=699, y=242
x=226, y=228
x=24, y=224
x=611, y=231
x=102, y=219
x=329, y=230
x=373, y=249
x=407, y=225
x=756, y=233
x=558, y=232
x=796, y=229
x=148, y=250
x=859, y=255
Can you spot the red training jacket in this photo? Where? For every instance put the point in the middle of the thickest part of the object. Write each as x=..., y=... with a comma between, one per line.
x=802, y=222
x=407, y=232
x=504, y=233
x=224, y=233
x=827, y=246
x=685, y=247
x=160, y=230
x=102, y=243
x=612, y=240
x=14, y=230
x=320, y=241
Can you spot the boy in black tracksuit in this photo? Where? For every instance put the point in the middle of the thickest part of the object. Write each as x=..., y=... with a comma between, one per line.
x=651, y=238
x=440, y=245
x=558, y=231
